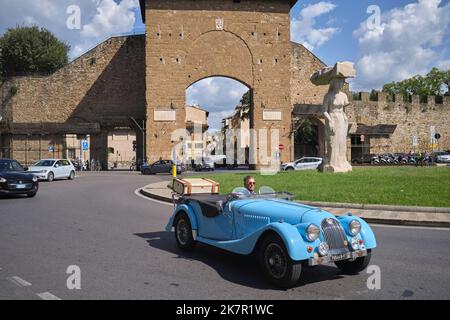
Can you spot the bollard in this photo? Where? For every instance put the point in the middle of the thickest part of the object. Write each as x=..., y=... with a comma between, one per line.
x=174, y=171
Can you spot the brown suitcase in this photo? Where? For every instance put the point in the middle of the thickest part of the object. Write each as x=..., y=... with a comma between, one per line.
x=195, y=186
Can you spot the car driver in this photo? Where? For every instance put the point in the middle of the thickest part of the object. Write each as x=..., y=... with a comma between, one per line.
x=250, y=184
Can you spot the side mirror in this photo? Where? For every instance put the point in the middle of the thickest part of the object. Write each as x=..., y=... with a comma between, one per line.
x=25, y=168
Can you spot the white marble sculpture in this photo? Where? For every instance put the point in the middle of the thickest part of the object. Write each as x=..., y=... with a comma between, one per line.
x=336, y=120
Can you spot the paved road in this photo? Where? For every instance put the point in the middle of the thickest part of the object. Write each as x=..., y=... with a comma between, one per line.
x=97, y=223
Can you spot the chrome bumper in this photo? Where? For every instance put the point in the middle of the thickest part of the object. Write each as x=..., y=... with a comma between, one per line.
x=330, y=259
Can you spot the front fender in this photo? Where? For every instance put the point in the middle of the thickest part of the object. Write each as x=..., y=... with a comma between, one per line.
x=295, y=244
x=366, y=233
x=190, y=213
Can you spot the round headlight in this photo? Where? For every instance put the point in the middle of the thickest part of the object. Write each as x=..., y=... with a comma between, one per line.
x=323, y=249
x=35, y=179
x=2, y=180
x=354, y=227
x=312, y=233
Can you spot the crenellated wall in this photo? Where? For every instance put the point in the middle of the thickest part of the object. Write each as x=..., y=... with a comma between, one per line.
x=412, y=119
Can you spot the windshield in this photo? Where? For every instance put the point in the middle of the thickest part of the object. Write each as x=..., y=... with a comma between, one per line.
x=45, y=163
x=264, y=193
x=8, y=165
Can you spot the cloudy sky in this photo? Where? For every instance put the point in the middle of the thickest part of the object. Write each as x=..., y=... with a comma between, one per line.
x=409, y=38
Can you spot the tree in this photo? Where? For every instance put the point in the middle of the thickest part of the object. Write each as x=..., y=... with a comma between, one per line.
x=31, y=50
x=435, y=83
x=244, y=106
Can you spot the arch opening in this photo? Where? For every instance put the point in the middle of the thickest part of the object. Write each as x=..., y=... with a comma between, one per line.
x=218, y=123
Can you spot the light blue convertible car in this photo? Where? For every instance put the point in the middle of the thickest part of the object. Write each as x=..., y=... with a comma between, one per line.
x=286, y=235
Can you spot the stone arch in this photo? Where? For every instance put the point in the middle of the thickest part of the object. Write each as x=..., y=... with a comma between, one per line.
x=229, y=57
x=316, y=147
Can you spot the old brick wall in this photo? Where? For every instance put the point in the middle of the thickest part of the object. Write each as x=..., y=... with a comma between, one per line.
x=412, y=119
x=190, y=40
x=105, y=85
x=303, y=64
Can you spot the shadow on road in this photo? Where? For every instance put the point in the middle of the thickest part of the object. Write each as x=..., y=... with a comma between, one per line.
x=242, y=270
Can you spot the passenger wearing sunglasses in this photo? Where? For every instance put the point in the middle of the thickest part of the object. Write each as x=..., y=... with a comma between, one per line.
x=250, y=184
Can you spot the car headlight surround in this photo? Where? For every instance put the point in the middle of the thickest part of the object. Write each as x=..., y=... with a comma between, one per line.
x=43, y=171
x=323, y=249
x=312, y=232
x=3, y=180
x=35, y=179
x=354, y=227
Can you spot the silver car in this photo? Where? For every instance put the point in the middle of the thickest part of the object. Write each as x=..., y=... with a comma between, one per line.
x=306, y=163
x=442, y=157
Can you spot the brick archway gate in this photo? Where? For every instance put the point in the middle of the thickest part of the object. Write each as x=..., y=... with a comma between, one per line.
x=190, y=40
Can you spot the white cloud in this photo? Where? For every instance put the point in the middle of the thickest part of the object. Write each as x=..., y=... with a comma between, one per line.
x=405, y=44
x=218, y=95
x=100, y=19
x=303, y=30
x=443, y=64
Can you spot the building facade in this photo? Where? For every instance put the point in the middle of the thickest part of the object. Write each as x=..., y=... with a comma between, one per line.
x=137, y=85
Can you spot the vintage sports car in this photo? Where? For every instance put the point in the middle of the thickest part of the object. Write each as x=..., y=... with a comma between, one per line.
x=286, y=235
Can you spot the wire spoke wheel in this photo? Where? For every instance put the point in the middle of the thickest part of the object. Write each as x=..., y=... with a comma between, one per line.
x=275, y=260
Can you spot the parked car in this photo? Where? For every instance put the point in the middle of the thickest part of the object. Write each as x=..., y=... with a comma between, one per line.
x=307, y=163
x=365, y=158
x=285, y=235
x=442, y=157
x=14, y=179
x=206, y=165
x=162, y=166
x=51, y=169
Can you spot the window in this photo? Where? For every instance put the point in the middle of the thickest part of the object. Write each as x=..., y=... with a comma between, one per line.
x=16, y=166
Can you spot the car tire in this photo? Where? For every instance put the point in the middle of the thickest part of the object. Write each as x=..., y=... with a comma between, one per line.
x=289, y=169
x=72, y=175
x=277, y=265
x=354, y=267
x=183, y=233
x=50, y=177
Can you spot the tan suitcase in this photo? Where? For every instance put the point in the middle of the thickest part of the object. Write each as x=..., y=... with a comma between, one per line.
x=195, y=186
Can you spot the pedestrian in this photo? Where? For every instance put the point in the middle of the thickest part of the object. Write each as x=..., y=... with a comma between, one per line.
x=87, y=165
x=93, y=163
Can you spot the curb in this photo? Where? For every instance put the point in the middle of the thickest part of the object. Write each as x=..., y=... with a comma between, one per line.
x=155, y=196
x=377, y=207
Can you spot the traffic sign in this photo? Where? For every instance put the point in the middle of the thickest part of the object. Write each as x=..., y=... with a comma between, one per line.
x=85, y=145
x=281, y=147
x=437, y=136
x=51, y=148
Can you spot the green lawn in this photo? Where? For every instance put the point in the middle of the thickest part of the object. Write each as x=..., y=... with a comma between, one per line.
x=427, y=186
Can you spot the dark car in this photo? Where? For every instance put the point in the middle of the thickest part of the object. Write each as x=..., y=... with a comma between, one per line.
x=162, y=166
x=15, y=180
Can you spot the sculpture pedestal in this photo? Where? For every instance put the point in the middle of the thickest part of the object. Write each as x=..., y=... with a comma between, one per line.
x=336, y=169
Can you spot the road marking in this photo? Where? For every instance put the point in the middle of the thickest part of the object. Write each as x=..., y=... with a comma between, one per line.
x=138, y=193
x=19, y=281
x=47, y=296
x=408, y=227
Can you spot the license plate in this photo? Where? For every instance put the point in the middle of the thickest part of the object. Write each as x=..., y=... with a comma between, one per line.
x=340, y=257
x=21, y=186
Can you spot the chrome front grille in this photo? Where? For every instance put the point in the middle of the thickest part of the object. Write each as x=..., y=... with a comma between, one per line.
x=335, y=236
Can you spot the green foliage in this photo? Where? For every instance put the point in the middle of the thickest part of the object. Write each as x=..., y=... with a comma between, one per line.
x=13, y=90
x=435, y=83
x=245, y=105
x=26, y=50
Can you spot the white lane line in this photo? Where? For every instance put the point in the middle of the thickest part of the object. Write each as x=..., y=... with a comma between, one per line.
x=137, y=192
x=47, y=296
x=19, y=281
